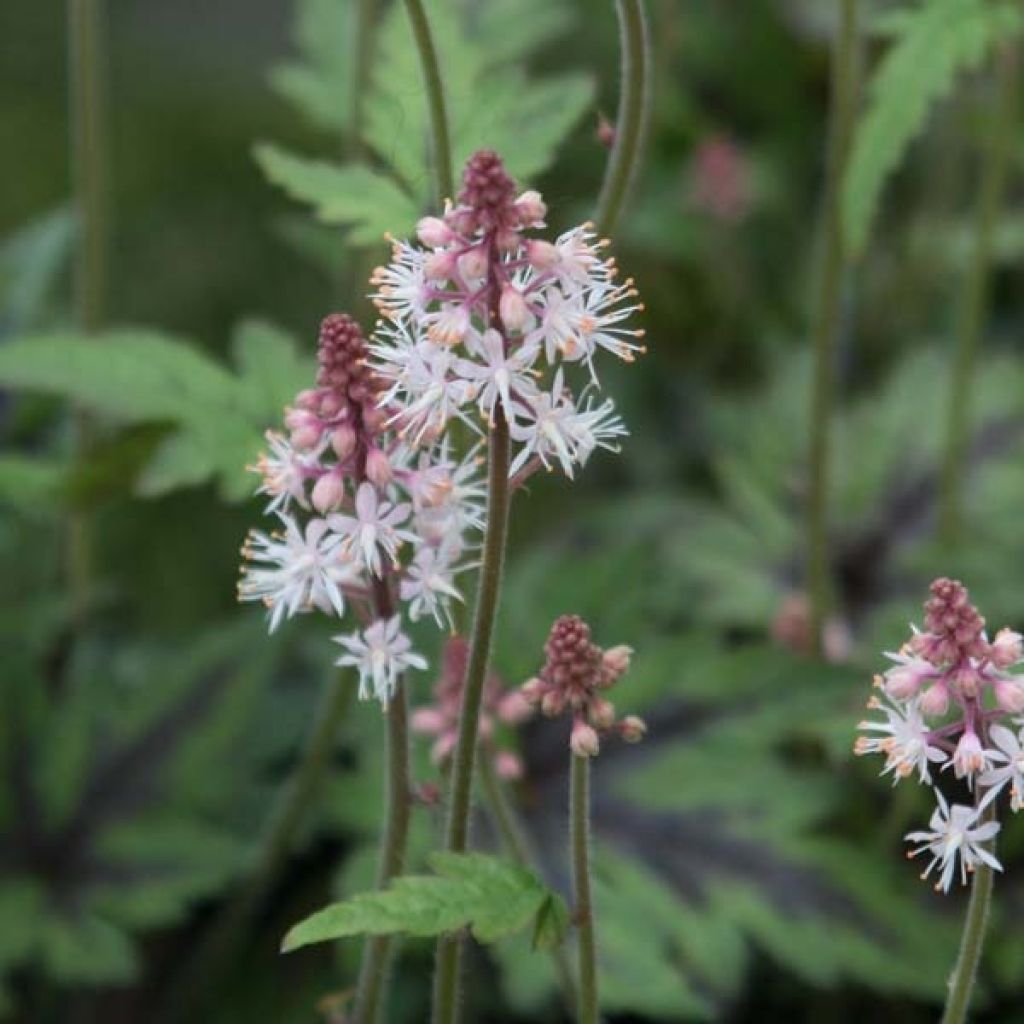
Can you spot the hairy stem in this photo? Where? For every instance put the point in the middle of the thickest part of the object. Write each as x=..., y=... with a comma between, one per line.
x=89, y=177
x=961, y=982
x=441, y=150
x=517, y=845
x=833, y=272
x=975, y=298
x=446, y=1006
x=631, y=120
x=579, y=819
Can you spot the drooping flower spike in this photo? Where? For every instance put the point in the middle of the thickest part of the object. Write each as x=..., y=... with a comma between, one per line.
x=361, y=513
x=481, y=316
x=950, y=701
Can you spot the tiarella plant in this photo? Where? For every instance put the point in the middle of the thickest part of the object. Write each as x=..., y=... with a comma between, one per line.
x=951, y=704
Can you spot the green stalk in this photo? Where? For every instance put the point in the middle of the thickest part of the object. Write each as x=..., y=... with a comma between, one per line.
x=441, y=150
x=89, y=178
x=446, y=985
x=834, y=268
x=631, y=120
x=517, y=845
x=961, y=983
x=586, y=944
x=976, y=298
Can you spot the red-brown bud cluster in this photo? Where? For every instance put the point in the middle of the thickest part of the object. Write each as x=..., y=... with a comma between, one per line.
x=954, y=628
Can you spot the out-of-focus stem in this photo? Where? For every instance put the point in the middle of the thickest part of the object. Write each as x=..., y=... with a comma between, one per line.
x=976, y=296
x=583, y=911
x=89, y=179
x=827, y=315
x=441, y=150
x=961, y=982
x=517, y=845
x=631, y=120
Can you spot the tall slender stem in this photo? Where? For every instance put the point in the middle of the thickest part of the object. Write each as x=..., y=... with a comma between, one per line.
x=579, y=819
x=89, y=178
x=631, y=120
x=441, y=150
x=833, y=272
x=446, y=1000
x=517, y=845
x=961, y=982
x=976, y=294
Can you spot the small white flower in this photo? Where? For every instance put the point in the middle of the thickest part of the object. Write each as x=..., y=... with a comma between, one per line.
x=547, y=430
x=952, y=832
x=1011, y=752
x=906, y=677
x=299, y=571
x=596, y=428
x=969, y=758
x=285, y=472
x=402, y=291
x=903, y=740
x=500, y=375
x=373, y=529
x=428, y=585
x=381, y=653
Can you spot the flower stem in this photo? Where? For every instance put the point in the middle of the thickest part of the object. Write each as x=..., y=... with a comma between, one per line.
x=833, y=273
x=517, y=845
x=441, y=150
x=89, y=176
x=961, y=983
x=975, y=297
x=579, y=817
x=446, y=972
x=631, y=120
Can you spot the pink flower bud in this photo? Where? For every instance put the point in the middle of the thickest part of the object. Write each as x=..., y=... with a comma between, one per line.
x=532, y=691
x=508, y=240
x=583, y=741
x=1007, y=648
x=304, y=438
x=616, y=661
x=969, y=757
x=531, y=209
x=508, y=765
x=514, y=707
x=633, y=729
x=439, y=266
x=378, y=468
x=552, y=703
x=968, y=680
x=514, y=311
x=935, y=700
x=601, y=713
x=308, y=399
x=541, y=255
x=904, y=681
x=442, y=749
x=485, y=728
x=429, y=721
x=473, y=263
x=328, y=492
x=1010, y=695
x=433, y=231
x=343, y=440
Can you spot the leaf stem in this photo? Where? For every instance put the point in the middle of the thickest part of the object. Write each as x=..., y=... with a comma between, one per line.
x=517, y=845
x=631, y=119
x=976, y=297
x=89, y=176
x=441, y=150
x=961, y=982
x=460, y=797
x=579, y=818
x=826, y=327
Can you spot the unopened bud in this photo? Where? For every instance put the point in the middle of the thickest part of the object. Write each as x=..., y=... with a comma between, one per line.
x=378, y=468
x=531, y=209
x=584, y=741
x=439, y=266
x=508, y=766
x=434, y=232
x=935, y=700
x=616, y=661
x=605, y=132
x=633, y=729
x=514, y=707
x=1010, y=695
x=552, y=703
x=512, y=306
x=1007, y=648
x=532, y=690
x=473, y=264
x=427, y=720
x=542, y=255
x=343, y=440
x=601, y=713
x=328, y=492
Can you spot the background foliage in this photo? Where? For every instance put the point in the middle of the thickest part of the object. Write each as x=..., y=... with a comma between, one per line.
x=747, y=869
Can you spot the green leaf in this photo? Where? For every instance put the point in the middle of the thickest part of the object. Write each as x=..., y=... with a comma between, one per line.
x=30, y=262
x=367, y=203
x=31, y=485
x=492, y=897
x=932, y=44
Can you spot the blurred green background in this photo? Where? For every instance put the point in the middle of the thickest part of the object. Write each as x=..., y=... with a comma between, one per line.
x=747, y=868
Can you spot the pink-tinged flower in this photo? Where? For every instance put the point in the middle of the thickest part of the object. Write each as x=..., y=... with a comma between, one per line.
x=372, y=530
x=1007, y=649
x=954, y=835
x=295, y=571
x=904, y=739
x=428, y=586
x=285, y=472
x=970, y=757
x=583, y=741
x=905, y=679
x=499, y=375
x=380, y=653
x=1009, y=753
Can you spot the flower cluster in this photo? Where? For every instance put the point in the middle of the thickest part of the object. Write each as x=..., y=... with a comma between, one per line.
x=949, y=702
x=352, y=498
x=482, y=317
x=441, y=719
x=575, y=674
